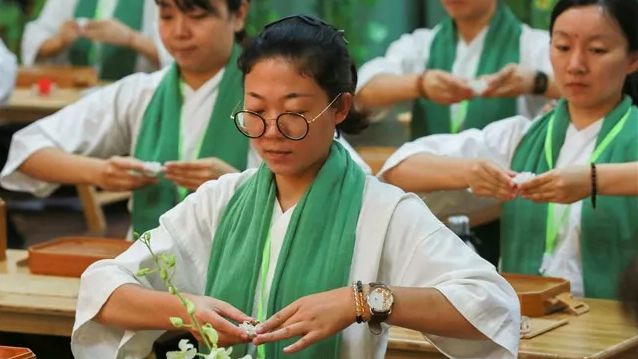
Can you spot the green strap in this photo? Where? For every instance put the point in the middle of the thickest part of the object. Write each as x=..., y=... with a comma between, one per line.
x=263, y=295
x=501, y=47
x=553, y=226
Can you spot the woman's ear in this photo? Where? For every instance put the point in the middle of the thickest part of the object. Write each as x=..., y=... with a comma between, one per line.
x=240, y=15
x=343, y=105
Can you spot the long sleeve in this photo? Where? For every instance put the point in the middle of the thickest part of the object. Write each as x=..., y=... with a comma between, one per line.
x=8, y=71
x=534, y=55
x=185, y=231
x=101, y=124
x=420, y=251
x=497, y=142
x=407, y=55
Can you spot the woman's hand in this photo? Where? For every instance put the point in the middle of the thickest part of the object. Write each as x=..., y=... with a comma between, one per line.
x=110, y=31
x=565, y=185
x=191, y=174
x=68, y=33
x=312, y=318
x=487, y=179
x=219, y=313
x=512, y=80
x=122, y=174
x=444, y=88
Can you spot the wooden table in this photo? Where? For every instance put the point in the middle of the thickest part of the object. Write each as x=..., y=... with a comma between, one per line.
x=46, y=305
x=35, y=304
x=25, y=106
x=604, y=332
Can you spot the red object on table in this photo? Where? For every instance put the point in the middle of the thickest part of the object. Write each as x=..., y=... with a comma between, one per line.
x=44, y=86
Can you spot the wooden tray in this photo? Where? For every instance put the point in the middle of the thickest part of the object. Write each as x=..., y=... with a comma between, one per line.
x=538, y=294
x=70, y=256
x=62, y=76
x=15, y=353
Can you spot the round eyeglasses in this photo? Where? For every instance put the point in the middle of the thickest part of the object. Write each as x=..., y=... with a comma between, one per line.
x=292, y=125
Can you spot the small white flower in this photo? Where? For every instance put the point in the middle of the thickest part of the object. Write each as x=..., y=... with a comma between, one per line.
x=187, y=351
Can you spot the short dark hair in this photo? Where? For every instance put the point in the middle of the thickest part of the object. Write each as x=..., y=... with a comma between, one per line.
x=190, y=5
x=625, y=13
x=318, y=49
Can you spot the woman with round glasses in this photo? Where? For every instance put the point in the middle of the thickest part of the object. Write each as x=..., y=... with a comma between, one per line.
x=307, y=243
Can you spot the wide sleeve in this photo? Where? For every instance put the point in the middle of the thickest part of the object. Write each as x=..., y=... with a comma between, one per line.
x=185, y=231
x=99, y=125
x=8, y=70
x=53, y=15
x=407, y=55
x=420, y=251
x=497, y=141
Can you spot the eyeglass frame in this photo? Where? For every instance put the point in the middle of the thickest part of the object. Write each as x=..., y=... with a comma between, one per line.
x=265, y=123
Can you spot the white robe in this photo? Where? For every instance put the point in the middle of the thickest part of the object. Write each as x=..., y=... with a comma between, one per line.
x=398, y=242
x=8, y=71
x=410, y=53
x=498, y=142
x=56, y=12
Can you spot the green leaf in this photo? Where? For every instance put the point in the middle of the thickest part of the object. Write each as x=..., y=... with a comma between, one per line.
x=142, y=272
x=177, y=322
x=190, y=306
x=211, y=334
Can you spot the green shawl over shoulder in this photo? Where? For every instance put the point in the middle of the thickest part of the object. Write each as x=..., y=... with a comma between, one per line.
x=159, y=139
x=501, y=48
x=609, y=233
x=316, y=253
x=115, y=61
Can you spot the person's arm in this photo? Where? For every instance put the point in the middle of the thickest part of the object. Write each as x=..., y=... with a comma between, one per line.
x=388, y=89
x=128, y=308
x=114, y=32
x=69, y=31
x=617, y=179
x=394, y=77
x=116, y=173
x=571, y=184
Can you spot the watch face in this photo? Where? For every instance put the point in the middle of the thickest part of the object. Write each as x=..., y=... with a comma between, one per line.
x=380, y=300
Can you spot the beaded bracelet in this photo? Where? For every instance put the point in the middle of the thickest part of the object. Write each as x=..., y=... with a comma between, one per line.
x=357, y=288
x=419, y=85
x=593, y=185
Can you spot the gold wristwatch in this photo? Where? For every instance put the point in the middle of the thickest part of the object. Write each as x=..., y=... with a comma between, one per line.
x=380, y=300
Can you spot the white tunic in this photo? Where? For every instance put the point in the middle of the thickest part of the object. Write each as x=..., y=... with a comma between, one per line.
x=410, y=53
x=8, y=71
x=398, y=242
x=498, y=142
x=56, y=12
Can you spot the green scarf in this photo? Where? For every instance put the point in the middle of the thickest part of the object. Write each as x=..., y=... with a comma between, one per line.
x=115, y=61
x=501, y=48
x=159, y=139
x=316, y=254
x=609, y=233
